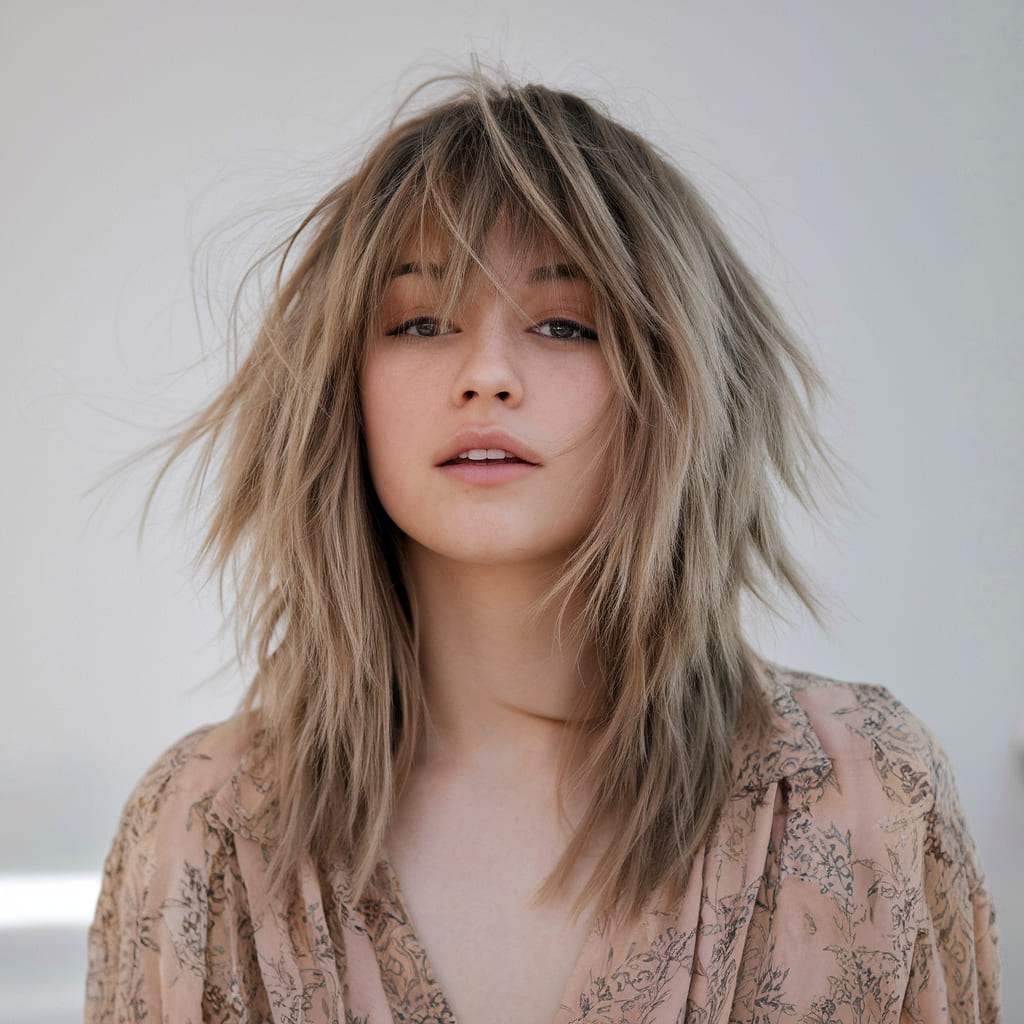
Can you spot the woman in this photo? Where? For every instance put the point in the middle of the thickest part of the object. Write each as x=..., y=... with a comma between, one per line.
x=500, y=464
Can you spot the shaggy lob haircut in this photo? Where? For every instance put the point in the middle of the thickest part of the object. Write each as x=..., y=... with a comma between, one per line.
x=711, y=415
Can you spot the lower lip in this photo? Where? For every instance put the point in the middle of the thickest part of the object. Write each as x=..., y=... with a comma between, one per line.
x=488, y=473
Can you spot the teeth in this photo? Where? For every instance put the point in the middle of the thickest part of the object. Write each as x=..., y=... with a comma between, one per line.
x=484, y=454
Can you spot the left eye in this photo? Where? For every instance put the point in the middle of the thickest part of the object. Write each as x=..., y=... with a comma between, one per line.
x=565, y=330
x=421, y=327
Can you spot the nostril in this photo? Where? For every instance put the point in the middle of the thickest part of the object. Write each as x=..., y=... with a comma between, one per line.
x=503, y=395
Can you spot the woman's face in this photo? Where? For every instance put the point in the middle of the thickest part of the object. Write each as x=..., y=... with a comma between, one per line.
x=484, y=434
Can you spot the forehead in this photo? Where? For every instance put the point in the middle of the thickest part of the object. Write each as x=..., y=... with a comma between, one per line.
x=506, y=258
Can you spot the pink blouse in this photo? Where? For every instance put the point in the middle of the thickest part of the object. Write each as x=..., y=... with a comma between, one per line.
x=840, y=885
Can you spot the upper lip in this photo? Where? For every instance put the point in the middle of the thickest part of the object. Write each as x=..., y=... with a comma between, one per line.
x=465, y=440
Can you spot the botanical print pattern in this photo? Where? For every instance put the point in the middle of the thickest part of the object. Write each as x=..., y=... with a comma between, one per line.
x=840, y=886
x=406, y=976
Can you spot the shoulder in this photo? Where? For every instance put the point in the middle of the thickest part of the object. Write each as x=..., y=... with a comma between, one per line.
x=168, y=821
x=887, y=769
x=862, y=728
x=188, y=774
x=892, y=800
x=169, y=854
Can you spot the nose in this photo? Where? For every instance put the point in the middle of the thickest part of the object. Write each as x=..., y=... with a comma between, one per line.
x=488, y=368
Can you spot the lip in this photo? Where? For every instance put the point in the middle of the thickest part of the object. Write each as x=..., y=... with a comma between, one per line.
x=466, y=440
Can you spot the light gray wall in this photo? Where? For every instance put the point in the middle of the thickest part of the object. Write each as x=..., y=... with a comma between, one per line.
x=868, y=155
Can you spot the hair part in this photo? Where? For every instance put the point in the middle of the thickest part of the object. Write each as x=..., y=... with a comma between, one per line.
x=712, y=419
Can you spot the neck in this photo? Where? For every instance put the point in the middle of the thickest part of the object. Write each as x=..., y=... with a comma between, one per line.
x=498, y=676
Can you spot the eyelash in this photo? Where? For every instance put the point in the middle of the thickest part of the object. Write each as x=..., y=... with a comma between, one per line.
x=582, y=332
x=579, y=331
x=418, y=322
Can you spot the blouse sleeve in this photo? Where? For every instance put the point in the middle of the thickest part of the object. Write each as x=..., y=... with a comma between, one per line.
x=160, y=852
x=955, y=975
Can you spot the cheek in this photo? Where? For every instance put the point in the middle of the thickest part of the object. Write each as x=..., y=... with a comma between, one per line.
x=381, y=430
x=584, y=403
x=599, y=399
x=392, y=425
x=384, y=394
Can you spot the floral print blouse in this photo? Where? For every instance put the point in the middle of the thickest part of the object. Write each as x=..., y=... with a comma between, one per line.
x=840, y=886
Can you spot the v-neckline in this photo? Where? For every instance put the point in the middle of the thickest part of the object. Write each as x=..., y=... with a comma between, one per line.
x=409, y=980
x=408, y=977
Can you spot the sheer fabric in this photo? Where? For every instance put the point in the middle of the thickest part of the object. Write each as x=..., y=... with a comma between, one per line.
x=840, y=885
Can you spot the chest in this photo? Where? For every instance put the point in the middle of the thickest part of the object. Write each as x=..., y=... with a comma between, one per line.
x=467, y=880
x=492, y=961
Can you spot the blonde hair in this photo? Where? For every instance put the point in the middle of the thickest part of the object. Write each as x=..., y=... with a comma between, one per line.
x=711, y=420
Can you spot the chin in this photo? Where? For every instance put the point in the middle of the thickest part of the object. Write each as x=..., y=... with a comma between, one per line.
x=491, y=553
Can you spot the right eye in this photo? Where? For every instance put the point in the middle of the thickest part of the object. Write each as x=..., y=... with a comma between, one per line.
x=421, y=327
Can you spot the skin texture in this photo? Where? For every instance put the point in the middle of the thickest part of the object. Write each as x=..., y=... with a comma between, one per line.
x=479, y=825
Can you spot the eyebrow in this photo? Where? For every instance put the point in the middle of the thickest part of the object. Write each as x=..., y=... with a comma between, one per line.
x=435, y=269
x=554, y=272
x=538, y=275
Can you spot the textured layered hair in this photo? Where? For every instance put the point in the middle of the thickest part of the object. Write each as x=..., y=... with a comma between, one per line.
x=709, y=425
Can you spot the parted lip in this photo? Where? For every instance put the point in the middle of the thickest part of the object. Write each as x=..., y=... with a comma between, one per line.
x=484, y=437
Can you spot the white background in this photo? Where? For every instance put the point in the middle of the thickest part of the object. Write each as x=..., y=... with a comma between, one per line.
x=867, y=156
